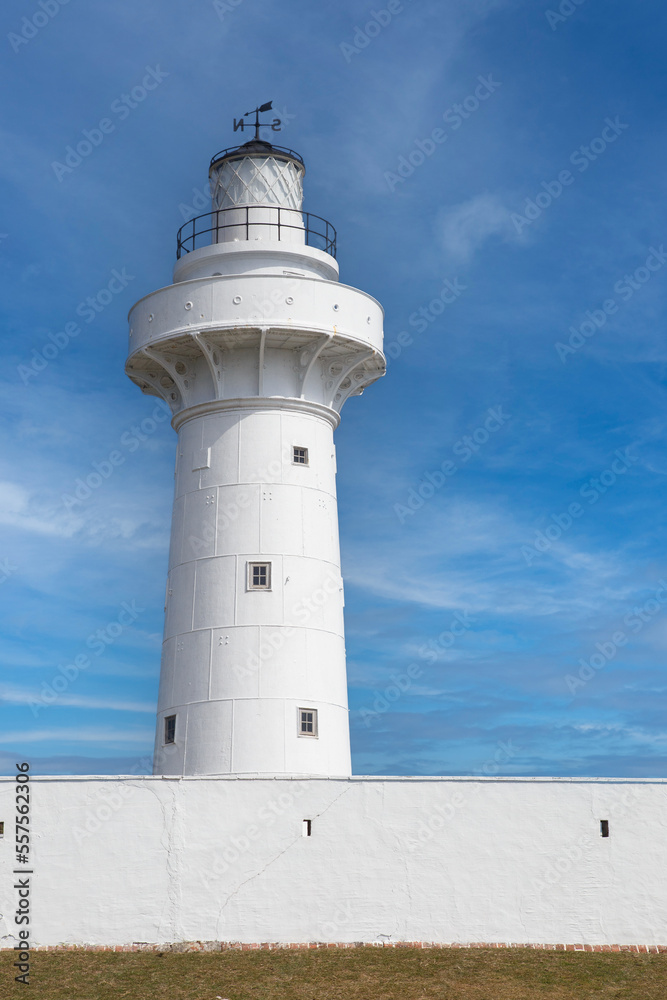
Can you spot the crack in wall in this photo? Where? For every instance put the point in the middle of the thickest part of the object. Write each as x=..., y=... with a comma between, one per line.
x=274, y=859
x=173, y=855
x=252, y=877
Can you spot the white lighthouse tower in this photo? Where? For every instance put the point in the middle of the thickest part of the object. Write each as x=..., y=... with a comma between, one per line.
x=255, y=347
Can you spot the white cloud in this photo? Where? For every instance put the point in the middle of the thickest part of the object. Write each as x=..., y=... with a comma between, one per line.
x=17, y=510
x=466, y=227
x=74, y=735
x=16, y=696
x=467, y=555
x=635, y=733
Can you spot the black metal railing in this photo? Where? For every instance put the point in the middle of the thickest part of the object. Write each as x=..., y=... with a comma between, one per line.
x=269, y=151
x=317, y=232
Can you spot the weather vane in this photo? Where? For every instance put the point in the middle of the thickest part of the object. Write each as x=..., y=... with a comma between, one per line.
x=274, y=125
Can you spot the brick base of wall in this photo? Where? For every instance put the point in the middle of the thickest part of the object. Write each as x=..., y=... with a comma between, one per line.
x=188, y=946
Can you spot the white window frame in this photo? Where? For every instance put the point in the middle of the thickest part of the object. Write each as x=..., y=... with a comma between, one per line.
x=315, y=733
x=299, y=447
x=249, y=579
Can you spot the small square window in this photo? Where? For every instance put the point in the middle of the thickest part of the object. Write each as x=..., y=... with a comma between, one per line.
x=170, y=729
x=259, y=576
x=308, y=722
x=300, y=456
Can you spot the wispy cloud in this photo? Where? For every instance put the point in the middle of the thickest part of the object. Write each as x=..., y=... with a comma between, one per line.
x=110, y=736
x=465, y=228
x=19, y=510
x=17, y=696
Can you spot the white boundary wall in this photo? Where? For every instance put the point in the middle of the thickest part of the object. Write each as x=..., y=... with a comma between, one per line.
x=121, y=860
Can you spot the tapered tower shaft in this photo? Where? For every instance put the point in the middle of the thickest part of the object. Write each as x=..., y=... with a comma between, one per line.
x=255, y=347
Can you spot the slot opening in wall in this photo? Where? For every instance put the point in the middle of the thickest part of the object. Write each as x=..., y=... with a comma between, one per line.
x=604, y=827
x=2, y=829
x=306, y=828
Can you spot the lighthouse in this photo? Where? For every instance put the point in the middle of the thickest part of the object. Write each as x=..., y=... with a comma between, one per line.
x=255, y=347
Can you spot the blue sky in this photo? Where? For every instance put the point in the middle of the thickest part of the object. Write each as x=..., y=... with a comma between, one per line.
x=501, y=496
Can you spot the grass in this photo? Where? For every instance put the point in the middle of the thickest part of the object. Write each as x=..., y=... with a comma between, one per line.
x=341, y=974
